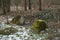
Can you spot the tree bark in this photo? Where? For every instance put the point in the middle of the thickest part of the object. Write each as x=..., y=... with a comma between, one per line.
x=6, y=6
x=0, y=3
x=29, y=4
x=25, y=5
x=40, y=8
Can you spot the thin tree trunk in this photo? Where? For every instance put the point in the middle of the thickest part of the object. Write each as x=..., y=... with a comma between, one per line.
x=29, y=4
x=4, y=7
x=8, y=5
x=25, y=5
x=0, y=3
x=8, y=9
x=40, y=8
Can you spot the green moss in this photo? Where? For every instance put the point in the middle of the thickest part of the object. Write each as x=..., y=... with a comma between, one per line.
x=38, y=26
x=8, y=31
x=16, y=19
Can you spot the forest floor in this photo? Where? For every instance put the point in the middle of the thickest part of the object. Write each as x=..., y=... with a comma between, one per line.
x=52, y=33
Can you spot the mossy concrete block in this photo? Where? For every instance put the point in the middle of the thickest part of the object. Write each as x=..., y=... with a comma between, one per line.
x=38, y=26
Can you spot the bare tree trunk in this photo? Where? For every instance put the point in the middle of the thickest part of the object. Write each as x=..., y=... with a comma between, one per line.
x=25, y=5
x=8, y=5
x=40, y=8
x=29, y=4
x=8, y=9
x=0, y=3
x=4, y=6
